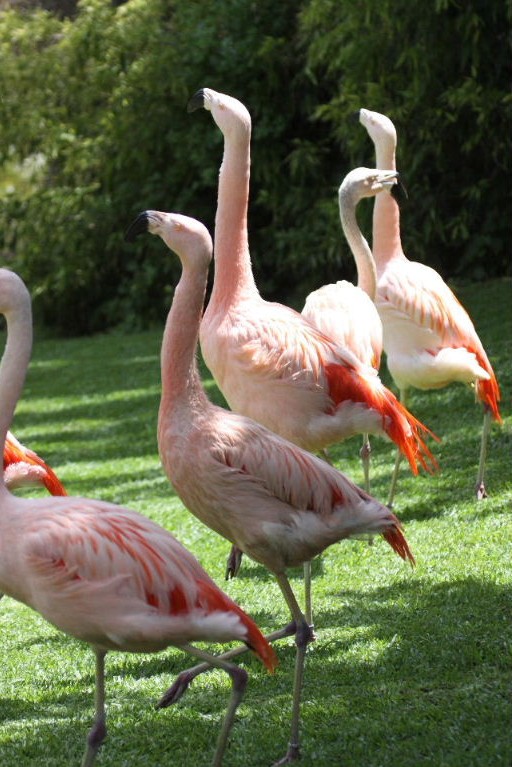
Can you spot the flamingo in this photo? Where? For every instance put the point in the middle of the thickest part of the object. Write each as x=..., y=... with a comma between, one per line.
x=346, y=312
x=269, y=361
x=273, y=500
x=429, y=338
x=23, y=467
x=103, y=573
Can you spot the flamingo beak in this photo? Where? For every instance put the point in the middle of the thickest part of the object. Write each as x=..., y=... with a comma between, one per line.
x=399, y=192
x=138, y=226
x=197, y=101
x=389, y=179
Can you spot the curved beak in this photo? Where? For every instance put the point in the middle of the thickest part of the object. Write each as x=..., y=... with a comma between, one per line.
x=138, y=226
x=196, y=101
x=399, y=192
x=388, y=179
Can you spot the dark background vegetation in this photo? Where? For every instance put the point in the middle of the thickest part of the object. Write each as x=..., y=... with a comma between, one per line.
x=94, y=128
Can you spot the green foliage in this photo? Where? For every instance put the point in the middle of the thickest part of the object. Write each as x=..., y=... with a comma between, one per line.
x=98, y=105
x=440, y=73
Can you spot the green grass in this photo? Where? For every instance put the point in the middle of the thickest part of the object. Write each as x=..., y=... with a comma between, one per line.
x=410, y=667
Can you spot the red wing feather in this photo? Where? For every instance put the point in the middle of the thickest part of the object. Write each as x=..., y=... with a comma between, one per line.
x=401, y=426
x=15, y=452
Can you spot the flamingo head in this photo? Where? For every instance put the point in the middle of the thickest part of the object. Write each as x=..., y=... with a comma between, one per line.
x=366, y=182
x=380, y=128
x=230, y=114
x=186, y=236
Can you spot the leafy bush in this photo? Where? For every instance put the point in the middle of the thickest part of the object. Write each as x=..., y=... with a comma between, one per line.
x=103, y=104
x=439, y=70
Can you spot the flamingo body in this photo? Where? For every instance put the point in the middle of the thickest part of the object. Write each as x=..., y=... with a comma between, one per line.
x=429, y=338
x=269, y=361
x=348, y=315
x=277, y=503
x=345, y=312
x=110, y=577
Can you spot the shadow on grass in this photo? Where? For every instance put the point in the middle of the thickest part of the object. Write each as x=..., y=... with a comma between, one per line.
x=411, y=671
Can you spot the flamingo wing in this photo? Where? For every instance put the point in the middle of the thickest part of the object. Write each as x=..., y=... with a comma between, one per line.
x=423, y=315
x=346, y=314
x=281, y=343
x=297, y=495
x=418, y=293
x=112, y=577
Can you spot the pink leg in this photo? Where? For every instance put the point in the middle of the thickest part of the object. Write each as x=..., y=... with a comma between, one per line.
x=98, y=731
x=183, y=680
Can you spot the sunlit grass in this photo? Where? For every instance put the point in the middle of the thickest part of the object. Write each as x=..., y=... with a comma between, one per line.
x=410, y=667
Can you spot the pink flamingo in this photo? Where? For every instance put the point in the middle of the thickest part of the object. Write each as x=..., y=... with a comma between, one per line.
x=429, y=338
x=277, y=503
x=102, y=573
x=23, y=467
x=270, y=362
x=346, y=312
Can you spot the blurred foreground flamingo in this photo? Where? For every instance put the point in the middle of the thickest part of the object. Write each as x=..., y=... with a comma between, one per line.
x=277, y=503
x=429, y=338
x=102, y=573
x=346, y=312
x=268, y=360
x=23, y=467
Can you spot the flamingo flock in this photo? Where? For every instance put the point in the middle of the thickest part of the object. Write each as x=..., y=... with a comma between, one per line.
x=296, y=383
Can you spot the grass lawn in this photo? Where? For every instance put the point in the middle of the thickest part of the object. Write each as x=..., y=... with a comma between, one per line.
x=410, y=667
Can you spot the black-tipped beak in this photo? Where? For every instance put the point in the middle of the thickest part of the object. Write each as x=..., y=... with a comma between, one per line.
x=196, y=102
x=354, y=116
x=139, y=226
x=399, y=192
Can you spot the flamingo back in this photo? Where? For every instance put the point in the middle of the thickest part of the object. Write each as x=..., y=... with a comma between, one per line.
x=113, y=578
x=347, y=315
x=429, y=338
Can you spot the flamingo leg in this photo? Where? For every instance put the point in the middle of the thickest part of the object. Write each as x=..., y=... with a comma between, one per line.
x=308, y=609
x=394, y=479
x=183, y=680
x=304, y=635
x=365, y=454
x=233, y=562
x=239, y=679
x=398, y=460
x=98, y=731
x=481, y=492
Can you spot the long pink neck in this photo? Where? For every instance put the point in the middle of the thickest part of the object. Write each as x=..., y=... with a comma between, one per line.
x=13, y=368
x=386, y=243
x=233, y=275
x=181, y=382
x=366, y=271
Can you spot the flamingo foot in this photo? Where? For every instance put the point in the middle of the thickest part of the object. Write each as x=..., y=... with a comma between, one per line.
x=481, y=492
x=95, y=738
x=178, y=688
x=185, y=678
x=233, y=563
x=291, y=755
